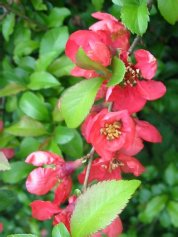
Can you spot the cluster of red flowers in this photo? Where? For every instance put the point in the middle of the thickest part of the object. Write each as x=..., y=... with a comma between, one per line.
x=116, y=134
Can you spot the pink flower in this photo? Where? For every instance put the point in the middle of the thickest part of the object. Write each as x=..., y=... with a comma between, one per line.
x=113, y=230
x=137, y=86
x=8, y=152
x=92, y=45
x=109, y=131
x=102, y=169
x=113, y=32
x=41, y=180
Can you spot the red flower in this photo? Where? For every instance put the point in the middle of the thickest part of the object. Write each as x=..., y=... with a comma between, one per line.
x=92, y=45
x=102, y=169
x=113, y=32
x=137, y=86
x=41, y=180
x=113, y=230
x=109, y=131
x=8, y=152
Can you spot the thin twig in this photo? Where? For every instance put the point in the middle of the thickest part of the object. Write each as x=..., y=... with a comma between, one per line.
x=134, y=44
x=85, y=185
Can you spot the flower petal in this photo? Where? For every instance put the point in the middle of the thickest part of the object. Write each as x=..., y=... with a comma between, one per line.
x=8, y=152
x=135, y=147
x=43, y=210
x=41, y=180
x=127, y=98
x=146, y=62
x=63, y=190
x=147, y=131
x=113, y=230
x=131, y=165
x=151, y=90
x=103, y=16
x=80, y=72
x=40, y=158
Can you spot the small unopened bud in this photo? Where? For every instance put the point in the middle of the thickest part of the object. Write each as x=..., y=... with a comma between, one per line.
x=77, y=192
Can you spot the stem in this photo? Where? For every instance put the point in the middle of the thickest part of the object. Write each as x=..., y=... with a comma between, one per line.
x=85, y=185
x=134, y=44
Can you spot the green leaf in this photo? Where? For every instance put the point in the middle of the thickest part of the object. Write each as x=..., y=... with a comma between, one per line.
x=27, y=146
x=19, y=171
x=8, y=198
x=74, y=147
x=57, y=16
x=78, y=100
x=83, y=61
x=171, y=175
x=42, y=80
x=118, y=72
x=44, y=61
x=172, y=209
x=126, y=2
x=25, y=47
x=39, y=5
x=53, y=147
x=11, y=104
x=8, y=26
x=5, y=139
x=169, y=10
x=54, y=41
x=4, y=164
x=22, y=235
x=32, y=106
x=60, y=231
x=63, y=135
x=153, y=208
x=61, y=67
x=135, y=17
x=27, y=127
x=98, y=4
x=12, y=89
x=104, y=201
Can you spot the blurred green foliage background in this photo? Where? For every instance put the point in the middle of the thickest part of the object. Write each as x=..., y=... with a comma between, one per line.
x=34, y=72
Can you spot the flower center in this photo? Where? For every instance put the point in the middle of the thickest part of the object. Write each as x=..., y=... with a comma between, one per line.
x=114, y=164
x=111, y=131
x=131, y=76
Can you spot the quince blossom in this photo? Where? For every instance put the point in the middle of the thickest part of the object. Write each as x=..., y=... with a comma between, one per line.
x=41, y=180
x=109, y=131
x=102, y=169
x=91, y=43
x=137, y=86
x=113, y=32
